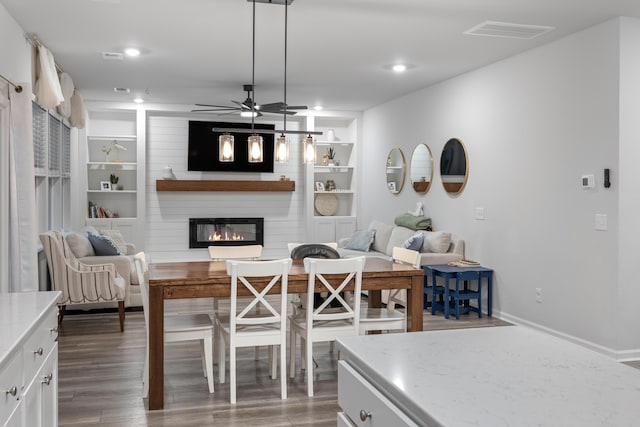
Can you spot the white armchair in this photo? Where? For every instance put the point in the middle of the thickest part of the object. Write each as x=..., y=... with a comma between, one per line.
x=80, y=283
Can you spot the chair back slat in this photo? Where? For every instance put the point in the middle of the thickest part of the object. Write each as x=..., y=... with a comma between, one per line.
x=347, y=270
x=252, y=275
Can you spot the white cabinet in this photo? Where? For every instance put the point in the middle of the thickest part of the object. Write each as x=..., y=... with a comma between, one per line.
x=332, y=181
x=114, y=171
x=363, y=404
x=29, y=359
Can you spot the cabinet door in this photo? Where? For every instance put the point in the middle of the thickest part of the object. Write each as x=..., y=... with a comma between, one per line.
x=128, y=229
x=324, y=230
x=345, y=227
x=16, y=419
x=40, y=398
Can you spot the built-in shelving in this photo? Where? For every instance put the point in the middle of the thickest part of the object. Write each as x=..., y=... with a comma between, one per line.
x=227, y=185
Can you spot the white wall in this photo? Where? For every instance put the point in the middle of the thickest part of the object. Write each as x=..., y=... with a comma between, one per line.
x=168, y=213
x=532, y=124
x=15, y=50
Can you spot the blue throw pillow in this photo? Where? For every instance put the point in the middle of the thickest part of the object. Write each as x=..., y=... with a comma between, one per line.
x=103, y=245
x=361, y=240
x=414, y=242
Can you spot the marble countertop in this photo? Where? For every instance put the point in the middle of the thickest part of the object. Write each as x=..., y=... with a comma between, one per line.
x=19, y=312
x=498, y=376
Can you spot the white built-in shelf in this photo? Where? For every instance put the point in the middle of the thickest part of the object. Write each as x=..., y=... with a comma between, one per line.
x=333, y=169
x=328, y=143
x=335, y=192
x=112, y=166
x=111, y=137
x=113, y=191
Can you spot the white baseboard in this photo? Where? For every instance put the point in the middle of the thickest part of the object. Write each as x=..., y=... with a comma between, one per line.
x=620, y=356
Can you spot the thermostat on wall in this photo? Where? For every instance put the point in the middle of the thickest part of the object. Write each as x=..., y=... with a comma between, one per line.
x=587, y=181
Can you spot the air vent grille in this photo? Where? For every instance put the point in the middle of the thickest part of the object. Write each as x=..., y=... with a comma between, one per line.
x=508, y=30
x=112, y=56
x=121, y=90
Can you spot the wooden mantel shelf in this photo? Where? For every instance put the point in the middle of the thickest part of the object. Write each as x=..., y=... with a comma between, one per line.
x=200, y=185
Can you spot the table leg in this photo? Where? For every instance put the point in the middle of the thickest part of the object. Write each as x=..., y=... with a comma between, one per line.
x=156, y=348
x=416, y=297
x=374, y=298
x=446, y=297
x=489, y=294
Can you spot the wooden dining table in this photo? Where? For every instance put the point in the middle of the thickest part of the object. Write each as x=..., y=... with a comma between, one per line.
x=201, y=279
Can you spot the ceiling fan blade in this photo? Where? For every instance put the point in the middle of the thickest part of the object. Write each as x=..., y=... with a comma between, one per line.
x=297, y=107
x=214, y=106
x=272, y=106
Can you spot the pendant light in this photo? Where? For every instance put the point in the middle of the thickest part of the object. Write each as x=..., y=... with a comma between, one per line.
x=225, y=147
x=282, y=143
x=309, y=147
x=255, y=142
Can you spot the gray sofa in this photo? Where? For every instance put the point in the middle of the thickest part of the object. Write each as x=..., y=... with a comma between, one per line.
x=438, y=246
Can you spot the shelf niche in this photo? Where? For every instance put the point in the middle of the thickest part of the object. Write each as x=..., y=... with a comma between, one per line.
x=204, y=185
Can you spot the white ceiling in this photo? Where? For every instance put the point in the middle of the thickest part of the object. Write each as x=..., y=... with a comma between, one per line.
x=199, y=51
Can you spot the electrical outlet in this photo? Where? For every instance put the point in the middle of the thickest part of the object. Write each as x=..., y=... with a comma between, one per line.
x=479, y=213
x=538, y=294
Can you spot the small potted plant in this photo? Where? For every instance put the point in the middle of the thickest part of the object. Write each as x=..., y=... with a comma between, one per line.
x=331, y=154
x=114, y=182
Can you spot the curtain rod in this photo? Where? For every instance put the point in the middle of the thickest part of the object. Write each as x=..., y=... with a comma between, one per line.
x=18, y=88
x=35, y=42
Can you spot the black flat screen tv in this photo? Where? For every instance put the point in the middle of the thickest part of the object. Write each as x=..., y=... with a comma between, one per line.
x=203, y=153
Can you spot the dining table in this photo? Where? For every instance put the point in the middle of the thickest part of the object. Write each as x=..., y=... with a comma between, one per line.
x=202, y=279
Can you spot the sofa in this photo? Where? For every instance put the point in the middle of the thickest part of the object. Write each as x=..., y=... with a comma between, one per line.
x=84, y=251
x=437, y=247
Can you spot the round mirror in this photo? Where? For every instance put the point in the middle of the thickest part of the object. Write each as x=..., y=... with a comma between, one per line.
x=395, y=170
x=421, y=169
x=454, y=166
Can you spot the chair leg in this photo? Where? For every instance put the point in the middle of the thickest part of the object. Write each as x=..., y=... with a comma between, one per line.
x=232, y=373
x=121, y=314
x=207, y=343
x=292, y=353
x=221, y=358
x=309, y=364
x=273, y=359
x=145, y=375
x=61, y=311
x=283, y=370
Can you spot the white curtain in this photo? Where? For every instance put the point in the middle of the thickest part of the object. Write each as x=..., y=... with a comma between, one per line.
x=23, y=266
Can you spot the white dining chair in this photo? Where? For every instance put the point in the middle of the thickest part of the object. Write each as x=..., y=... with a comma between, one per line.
x=390, y=318
x=177, y=328
x=326, y=323
x=245, y=326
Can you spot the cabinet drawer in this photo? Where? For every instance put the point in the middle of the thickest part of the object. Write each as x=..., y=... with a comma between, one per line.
x=10, y=377
x=343, y=420
x=38, y=345
x=356, y=395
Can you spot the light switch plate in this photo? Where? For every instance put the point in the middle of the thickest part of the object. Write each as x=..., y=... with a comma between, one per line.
x=588, y=181
x=479, y=213
x=601, y=222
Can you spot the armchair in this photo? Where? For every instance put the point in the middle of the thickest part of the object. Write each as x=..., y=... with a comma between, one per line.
x=80, y=283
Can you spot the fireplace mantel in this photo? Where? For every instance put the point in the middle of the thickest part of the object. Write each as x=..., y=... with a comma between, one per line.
x=228, y=185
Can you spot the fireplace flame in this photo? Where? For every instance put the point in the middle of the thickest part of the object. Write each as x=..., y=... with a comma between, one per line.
x=216, y=235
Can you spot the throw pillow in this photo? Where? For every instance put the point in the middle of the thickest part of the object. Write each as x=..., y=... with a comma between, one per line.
x=361, y=240
x=314, y=250
x=414, y=242
x=80, y=245
x=383, y=232
x=437, y=241
x=117, y=238
x=103, y=245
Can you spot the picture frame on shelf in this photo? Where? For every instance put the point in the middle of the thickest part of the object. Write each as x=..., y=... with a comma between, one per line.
x=319, y=186
x=105, y=186
x=391, y=185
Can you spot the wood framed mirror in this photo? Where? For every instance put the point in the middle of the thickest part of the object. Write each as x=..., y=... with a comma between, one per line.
x=454, y=166
x=396, y=170
x=421, y=169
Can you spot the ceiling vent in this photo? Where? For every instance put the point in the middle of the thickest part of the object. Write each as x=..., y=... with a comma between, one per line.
x=272, y=1
x=121, y=90
x=505, y=29
x=112, y=56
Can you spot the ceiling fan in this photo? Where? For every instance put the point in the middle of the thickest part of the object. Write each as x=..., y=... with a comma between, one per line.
x=248, y=105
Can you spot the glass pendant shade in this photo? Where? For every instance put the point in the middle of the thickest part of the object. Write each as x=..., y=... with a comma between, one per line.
x=225, y=148
x=309, y=150
x=255, y=149
x=282, y=149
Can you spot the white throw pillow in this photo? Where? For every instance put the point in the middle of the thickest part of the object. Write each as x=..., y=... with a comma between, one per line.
x=80, y=245
x=398, y=236
x=383, y=232
x=436, y=241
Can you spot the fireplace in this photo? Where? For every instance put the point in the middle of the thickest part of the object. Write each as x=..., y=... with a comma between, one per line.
x=205, y=232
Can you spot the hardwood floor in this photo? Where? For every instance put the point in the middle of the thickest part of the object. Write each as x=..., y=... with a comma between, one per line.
x=100, y=378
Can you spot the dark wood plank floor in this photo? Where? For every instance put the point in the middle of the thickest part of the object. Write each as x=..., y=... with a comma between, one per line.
x=100, y=371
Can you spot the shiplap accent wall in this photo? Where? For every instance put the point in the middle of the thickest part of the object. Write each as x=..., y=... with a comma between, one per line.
x=168, y=213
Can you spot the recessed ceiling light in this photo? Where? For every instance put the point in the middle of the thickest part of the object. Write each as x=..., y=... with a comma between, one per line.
x=318, y=107
x=132, y=51
x=138, y=100
x=399, y=68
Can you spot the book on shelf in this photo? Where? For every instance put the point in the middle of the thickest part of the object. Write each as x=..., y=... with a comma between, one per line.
x=465, y=263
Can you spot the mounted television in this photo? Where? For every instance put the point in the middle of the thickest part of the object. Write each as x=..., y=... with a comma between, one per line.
x=203, y=153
